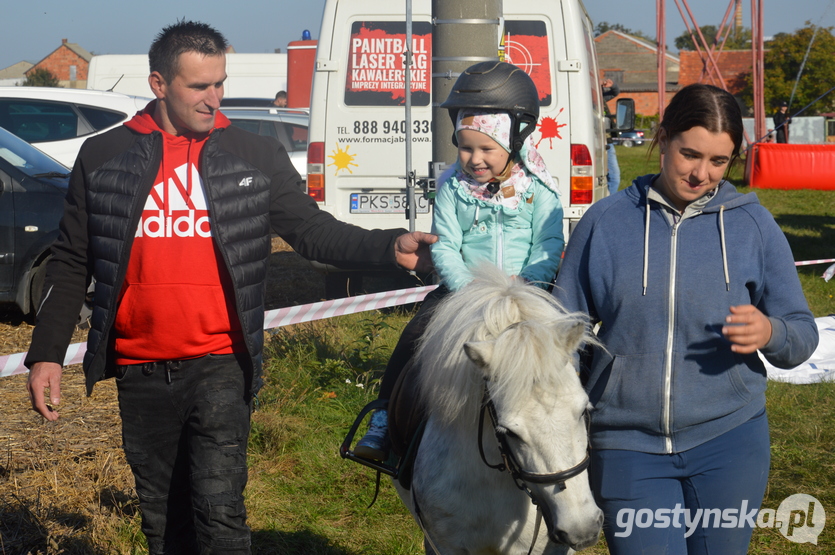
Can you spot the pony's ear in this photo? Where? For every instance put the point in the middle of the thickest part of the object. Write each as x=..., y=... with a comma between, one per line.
x=480, y=352
x=574, y=336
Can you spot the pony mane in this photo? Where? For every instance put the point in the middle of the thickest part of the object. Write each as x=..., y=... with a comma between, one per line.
x=522, y=320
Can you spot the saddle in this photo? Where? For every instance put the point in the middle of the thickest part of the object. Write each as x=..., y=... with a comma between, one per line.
x=406, y=420
x=406, y=411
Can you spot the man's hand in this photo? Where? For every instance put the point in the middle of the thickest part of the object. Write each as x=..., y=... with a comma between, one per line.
x=41, y=376
x=749, y=329
x=411, y=250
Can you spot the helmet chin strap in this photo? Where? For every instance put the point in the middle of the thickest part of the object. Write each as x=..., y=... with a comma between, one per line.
x=508, y=168
x=495, y=184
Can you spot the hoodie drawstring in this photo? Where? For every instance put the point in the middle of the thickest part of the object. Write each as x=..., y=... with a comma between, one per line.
x=721, y=238
x=724, y=250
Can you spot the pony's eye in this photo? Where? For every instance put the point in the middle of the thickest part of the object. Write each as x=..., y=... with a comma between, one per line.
x=508, y=432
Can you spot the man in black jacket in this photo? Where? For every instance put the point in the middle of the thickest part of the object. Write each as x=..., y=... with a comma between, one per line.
x=781, y=122
x=172, y=214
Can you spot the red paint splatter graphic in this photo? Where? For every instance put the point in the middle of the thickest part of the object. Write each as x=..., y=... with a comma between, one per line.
x=550, y=129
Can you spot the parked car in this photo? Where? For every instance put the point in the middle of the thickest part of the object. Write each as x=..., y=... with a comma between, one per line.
x=629, y=138
x=58, y=121
x=32, y=191
x=248, y=102
x=288, y=125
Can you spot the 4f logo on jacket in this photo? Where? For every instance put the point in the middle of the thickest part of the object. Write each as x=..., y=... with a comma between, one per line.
x=177, y=207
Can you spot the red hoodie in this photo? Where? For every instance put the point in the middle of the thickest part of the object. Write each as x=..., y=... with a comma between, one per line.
x=176, y=299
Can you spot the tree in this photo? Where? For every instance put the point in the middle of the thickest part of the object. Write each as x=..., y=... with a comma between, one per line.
x=41, y=77
x=604, y=26
x=783, y=58
x=738, y=39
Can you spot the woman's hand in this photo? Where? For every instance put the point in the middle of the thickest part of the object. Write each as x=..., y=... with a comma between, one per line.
x=749, y=329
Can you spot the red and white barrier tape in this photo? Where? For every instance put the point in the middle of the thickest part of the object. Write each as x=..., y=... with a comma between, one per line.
x=811, y=262
x=11, y=365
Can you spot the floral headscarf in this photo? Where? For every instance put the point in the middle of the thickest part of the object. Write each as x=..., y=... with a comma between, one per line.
x=497, y=126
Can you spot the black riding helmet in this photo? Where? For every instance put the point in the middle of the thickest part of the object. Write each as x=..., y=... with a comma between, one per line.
x=497, y=86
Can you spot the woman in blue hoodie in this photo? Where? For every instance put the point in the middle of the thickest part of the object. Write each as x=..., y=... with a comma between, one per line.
x=688, y=279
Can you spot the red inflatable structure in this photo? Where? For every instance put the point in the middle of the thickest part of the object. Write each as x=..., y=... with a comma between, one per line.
x=788, y=166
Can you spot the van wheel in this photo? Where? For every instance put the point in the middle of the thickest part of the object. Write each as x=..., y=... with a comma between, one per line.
x=342, y=284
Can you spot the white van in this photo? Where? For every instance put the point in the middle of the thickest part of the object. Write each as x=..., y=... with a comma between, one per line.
x=249, y=75
x=356, y=151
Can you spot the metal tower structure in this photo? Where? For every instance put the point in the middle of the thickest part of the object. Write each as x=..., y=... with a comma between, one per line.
x=709, y=52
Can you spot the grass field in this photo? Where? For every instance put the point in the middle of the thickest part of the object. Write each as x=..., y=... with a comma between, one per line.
x=316, y=370
x=302, y=498
x=318, y=501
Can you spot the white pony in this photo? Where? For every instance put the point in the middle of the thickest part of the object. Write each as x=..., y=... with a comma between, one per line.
x=508, y=346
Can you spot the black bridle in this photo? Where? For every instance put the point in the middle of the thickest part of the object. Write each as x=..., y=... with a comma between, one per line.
x=509, y=462
x=521, y=477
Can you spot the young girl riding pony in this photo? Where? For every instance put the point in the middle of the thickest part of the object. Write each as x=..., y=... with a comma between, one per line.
x=497, y=204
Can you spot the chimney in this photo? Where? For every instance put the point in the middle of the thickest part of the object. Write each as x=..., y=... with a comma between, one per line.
x=63, y=41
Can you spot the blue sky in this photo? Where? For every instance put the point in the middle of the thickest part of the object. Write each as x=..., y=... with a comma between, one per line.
x=32, y=29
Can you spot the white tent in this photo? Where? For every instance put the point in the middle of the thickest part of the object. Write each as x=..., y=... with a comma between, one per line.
x=820, y=367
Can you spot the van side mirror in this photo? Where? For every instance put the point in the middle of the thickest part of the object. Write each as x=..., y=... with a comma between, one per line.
x=624, y=115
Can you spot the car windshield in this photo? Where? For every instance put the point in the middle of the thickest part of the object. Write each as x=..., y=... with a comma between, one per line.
x=27, y=158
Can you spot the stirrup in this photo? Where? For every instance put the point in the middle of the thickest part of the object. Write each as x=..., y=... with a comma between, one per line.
x=386, y=467
x=346, y=452
x=399, y=468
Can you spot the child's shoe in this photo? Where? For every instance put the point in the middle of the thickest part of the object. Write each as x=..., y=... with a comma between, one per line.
x=375, y=443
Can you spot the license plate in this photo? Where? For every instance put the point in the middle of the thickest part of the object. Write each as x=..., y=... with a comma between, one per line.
x=385, y=203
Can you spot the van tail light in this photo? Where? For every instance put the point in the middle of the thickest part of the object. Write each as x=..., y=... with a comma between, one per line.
x=316, y=171
x=582, y=176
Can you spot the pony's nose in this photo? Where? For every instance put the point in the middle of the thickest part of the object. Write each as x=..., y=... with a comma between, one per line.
x=582, y=538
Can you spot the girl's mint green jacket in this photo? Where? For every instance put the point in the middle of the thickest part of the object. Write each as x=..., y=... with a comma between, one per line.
x=526, y=241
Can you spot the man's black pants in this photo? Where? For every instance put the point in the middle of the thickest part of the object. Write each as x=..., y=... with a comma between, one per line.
x=185, y=426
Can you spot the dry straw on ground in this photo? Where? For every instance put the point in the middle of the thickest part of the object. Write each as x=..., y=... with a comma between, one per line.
x=65, y=485
x=61, y=482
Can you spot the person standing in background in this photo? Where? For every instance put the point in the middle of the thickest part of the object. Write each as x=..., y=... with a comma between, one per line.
x=781, y=122
x=610, y=91
x=280, y=99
